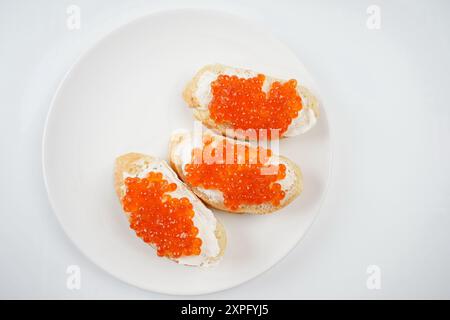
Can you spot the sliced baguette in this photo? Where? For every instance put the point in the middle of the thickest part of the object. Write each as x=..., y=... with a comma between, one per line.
x=197, y=95
x=181, y=143
x=138, y=165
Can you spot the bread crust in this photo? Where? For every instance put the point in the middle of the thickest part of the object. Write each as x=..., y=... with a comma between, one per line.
x=294, y=192
x=202, y=114
x=130, y=163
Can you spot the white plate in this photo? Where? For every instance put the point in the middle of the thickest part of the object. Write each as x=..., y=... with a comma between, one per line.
x=125, y=95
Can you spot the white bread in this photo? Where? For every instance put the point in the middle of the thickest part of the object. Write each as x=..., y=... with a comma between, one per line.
x=292, y=185
x=197, y=95
x=138, y=165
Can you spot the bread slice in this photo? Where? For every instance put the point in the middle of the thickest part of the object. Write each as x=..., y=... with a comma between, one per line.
x=211, y=231
x=197, y=95
x=181, y=145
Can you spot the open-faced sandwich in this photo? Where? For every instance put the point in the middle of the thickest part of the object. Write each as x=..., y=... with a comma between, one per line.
x=231, y=100
x=233, y=175
x=165, y=213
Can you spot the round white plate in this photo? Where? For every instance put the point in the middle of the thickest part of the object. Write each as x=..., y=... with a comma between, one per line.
x=124, y=95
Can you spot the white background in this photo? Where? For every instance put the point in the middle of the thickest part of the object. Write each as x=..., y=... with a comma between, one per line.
x=386, y=93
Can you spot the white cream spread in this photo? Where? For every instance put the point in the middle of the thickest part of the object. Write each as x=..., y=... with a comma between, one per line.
x=305, y=120
x=288, y=181
x=183, y=150
x=203, y=218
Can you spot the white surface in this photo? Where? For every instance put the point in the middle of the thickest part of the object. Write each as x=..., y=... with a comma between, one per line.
x=387, y=96
x=132, y=103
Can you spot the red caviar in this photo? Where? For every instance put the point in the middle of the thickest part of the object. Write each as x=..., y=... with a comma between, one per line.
x=241, y=180
x=159, y=219
x=242, y=104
